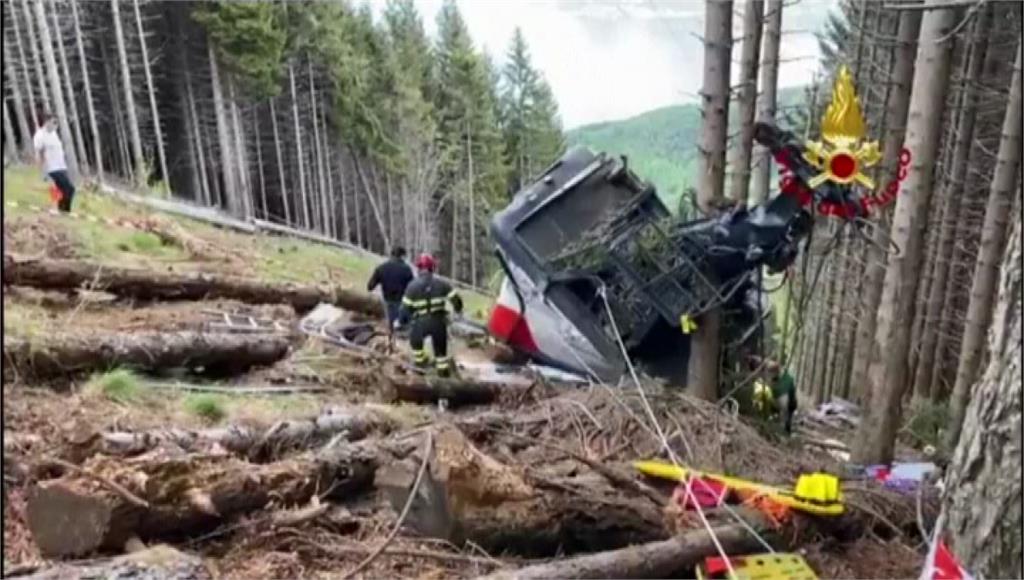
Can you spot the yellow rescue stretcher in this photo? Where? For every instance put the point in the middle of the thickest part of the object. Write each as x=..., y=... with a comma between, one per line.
x=815, y=493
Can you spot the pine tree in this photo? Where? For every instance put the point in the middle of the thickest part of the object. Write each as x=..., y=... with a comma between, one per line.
x=529, y=116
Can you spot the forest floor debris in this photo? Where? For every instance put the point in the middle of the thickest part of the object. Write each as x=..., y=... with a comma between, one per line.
x=558, y=451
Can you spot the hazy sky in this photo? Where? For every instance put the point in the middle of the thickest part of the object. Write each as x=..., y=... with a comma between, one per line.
x=611, y=59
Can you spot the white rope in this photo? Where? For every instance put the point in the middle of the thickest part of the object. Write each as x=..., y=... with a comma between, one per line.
x=668, y=448
x=661, y=435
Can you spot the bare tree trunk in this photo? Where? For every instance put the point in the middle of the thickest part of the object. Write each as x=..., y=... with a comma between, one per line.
x=298, y=148
x=317, y=148
x=767, y=102
x=24, y=66
x=472, y=209
x=345, y=230
x=715, y=96
x=702, y=374
x=982, y=504
x=10, y=143
x=923, y=381
x=280, y=164
x=19, y=104
x=33, y=43
x=329, y=205
x=993, y=240
x=242, y=178
x=152, y=98
x=753, y=19
x=75, y=120
x=123, y=160
x=198, y=137
x=57, y=93
x=259, y=164
x=877, y=431
x=227, y=170
x=138, y=161
x=373, y=203
x=897, y=107
x=93, y=125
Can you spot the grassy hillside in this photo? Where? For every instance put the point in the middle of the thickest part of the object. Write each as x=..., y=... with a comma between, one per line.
x=661, y=145
x=274, y=258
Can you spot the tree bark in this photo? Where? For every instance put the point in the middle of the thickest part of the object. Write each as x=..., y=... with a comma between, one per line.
x=247, y=441
x=457, y=392
x=282, y=184
x=157, y=285
x=24, y=66
x=160, y=561
x=53, y=73
x=377, y=216
x=138, y=160
x=61, y=357
x=87, y=84
x=241, y=151
x=877, y=431
x=672, y=558
x=703, y=366
x=993, y=240
x=715, y=97
x=74, y=515
x=964, y=134
x=193, y=116
x=19, y=104
x=897, y=107
x=224, y=145
x=471, y=209
x=155, y=111
x=768, y=99
x=33, y=43
x=303, y=196
x=76, y=121
x=982, y=504
x=10, y=143
x=753, y=19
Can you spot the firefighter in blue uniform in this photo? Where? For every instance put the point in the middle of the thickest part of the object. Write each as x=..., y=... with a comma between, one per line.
x=425, y=303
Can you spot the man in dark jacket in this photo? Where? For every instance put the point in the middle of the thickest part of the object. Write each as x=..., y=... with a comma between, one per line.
x=392, y=276
x=425, y=303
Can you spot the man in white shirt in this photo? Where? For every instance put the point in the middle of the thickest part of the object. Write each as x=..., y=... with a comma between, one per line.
x=50, y=157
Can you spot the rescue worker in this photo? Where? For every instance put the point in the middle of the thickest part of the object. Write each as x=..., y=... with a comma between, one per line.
x=393, y=276
x=425, y=303
x=777, y=396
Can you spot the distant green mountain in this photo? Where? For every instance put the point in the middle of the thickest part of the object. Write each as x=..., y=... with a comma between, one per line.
x=661, y=145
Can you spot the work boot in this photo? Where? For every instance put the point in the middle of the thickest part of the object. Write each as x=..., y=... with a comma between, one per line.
x=444, y=366
x=421, y=359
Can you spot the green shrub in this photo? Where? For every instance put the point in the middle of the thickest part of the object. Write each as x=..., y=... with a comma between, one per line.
x=118, y=385
x=207, y=406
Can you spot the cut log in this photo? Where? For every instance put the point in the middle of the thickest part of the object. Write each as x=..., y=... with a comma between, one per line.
x=159, y=561
x=79, y=513
x=349, y=423
x=665, y=559
x=214, y=354
x=457, y=392
x=153, y=285
x=467, y=495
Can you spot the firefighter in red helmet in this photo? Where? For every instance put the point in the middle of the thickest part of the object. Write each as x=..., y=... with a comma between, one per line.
x=425, y=303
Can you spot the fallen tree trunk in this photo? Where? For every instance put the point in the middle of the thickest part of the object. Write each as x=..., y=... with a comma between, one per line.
x=457, y=392
x=255, y=444
x=665, y=559
x=468, y=496
x=215, y=354
x=108, y=501
x=159, y=561
x=154, y=285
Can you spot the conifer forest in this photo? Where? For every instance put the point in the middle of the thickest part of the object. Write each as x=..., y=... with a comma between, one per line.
x=793, y=348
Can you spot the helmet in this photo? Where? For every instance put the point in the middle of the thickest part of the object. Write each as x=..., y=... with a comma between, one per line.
x=426, y=262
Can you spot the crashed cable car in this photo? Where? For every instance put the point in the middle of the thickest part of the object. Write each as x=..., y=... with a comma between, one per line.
x=595, y=266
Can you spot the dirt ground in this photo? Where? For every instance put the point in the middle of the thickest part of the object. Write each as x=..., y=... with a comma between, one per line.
x=547, y=435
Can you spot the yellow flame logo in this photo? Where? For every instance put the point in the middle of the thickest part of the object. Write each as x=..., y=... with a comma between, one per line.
x=842, y=153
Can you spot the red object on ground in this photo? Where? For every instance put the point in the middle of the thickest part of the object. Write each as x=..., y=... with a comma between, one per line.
x=704, y=491
x=945, y=566
x=55, y=193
